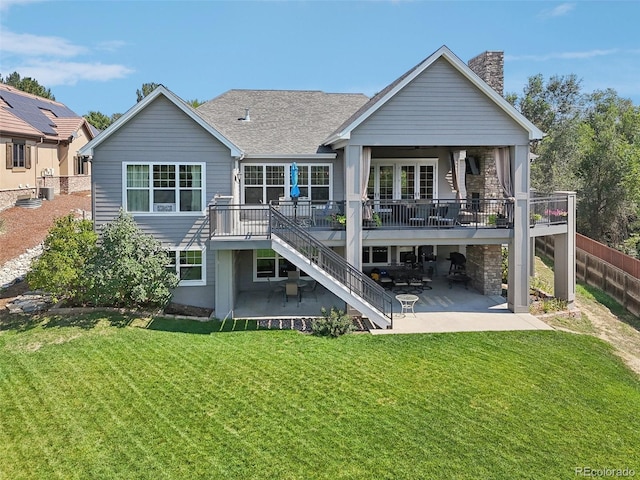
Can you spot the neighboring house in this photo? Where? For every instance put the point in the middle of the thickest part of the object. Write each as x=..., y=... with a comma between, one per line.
x=438, y=156
x=40, y=138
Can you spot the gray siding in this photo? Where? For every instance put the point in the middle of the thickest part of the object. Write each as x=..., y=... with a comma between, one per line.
x=162, y=132
x=440, y=107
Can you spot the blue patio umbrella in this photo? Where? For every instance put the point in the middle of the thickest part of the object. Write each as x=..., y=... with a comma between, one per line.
x=295, y=191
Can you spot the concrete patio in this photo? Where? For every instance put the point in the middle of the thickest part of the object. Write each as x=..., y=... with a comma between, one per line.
x=442, y=309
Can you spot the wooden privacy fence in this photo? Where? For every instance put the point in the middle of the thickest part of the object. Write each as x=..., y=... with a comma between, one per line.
x=617, y=281
x=610, y=255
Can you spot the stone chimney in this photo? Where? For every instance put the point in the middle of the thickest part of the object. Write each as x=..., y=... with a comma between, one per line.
x=489, y=66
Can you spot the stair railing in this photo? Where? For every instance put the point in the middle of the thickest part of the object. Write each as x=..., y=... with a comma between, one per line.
x=331, y=263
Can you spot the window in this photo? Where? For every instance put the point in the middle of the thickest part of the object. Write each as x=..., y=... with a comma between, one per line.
x=81, y=166
x=18, y=155
x=313, y=181
x=188, y=265
x=375, y=255
x=264, y=183
x=163, y=188
x=268, y=264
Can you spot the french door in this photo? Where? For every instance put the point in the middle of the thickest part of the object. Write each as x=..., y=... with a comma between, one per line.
x=400, y=179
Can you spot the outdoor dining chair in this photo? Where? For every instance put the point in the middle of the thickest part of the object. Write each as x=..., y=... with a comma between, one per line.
x=292, y=290
x=274, y=287
x=310, y=287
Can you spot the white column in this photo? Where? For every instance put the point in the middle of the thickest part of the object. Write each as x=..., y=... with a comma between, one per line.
x=353, y=204
x=519, y=249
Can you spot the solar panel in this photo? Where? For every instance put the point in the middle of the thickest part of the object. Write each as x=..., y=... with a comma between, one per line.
x=29, y=109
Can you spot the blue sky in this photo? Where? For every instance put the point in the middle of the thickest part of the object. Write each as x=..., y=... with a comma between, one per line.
x=94, y=54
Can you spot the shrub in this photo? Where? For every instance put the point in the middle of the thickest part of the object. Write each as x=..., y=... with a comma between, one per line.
x=130, y=268
x=68, y=248
x=332, y=324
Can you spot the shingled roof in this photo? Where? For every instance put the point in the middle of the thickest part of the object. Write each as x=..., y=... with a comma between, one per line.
x=33, y=116
x=281, y=122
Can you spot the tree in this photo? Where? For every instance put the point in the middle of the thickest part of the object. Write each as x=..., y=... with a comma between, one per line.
x=195, y=103
x=147, y=88
x=27, y=84
x=69, y=246
x=98, y=120
x=609, y=168
x=130, y=267
x=555, y=107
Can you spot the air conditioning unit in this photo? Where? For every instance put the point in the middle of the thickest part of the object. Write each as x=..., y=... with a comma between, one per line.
x=164, y=207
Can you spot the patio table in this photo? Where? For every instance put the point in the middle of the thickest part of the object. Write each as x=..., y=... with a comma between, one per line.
x=407, y=301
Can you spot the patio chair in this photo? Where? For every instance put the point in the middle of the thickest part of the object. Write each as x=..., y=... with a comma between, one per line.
x=293, y=275
x=310, y=287
x=292, y=290
x=420, y=214
x=453, y=209
x=274, y=287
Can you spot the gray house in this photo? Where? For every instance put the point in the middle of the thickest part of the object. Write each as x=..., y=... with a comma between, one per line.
x=436, y=163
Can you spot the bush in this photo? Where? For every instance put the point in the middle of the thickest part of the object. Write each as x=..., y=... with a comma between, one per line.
x=332, y=324
x=60, y=270
x=130, y=268
x=505, y=265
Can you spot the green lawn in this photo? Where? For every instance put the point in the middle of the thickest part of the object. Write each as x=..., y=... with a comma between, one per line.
x=96, y=399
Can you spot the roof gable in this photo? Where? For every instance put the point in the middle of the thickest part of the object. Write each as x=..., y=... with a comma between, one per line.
x=381, y=98
x=141, y=105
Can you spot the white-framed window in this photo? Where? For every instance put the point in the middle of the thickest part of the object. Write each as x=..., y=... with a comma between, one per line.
x=403, y=178
x=164, y=187
x=188, y=264
x=268, y=264
x=262, y=183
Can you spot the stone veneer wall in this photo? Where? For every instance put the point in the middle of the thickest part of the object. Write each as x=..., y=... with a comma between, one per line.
x=489, y=66
x=486, y=184
x=484, y=266
x=8, y=198
x=76, y=183
x=61, y=185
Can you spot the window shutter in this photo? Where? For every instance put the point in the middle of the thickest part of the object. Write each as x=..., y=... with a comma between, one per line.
x=27, y=156
x=9, y=156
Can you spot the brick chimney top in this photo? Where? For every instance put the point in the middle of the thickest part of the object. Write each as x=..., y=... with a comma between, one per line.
x=489, y=66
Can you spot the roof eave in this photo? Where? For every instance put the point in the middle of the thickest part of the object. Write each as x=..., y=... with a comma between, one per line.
x=291, y=156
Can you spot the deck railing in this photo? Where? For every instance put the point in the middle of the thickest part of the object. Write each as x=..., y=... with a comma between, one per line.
x=355, y=281
x=548, y=210
x=253, y=220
